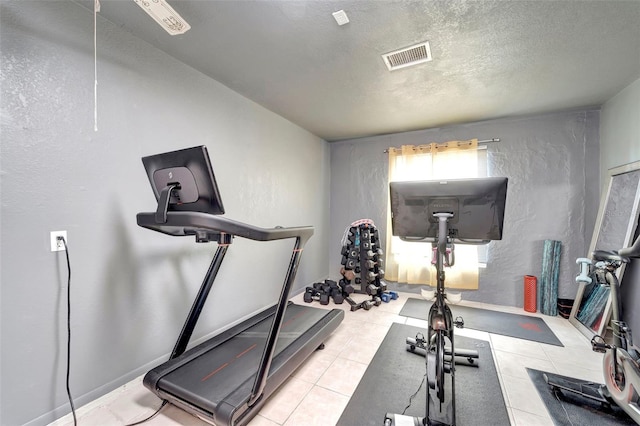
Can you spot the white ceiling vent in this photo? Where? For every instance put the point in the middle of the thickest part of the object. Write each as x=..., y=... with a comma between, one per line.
x=408, y=56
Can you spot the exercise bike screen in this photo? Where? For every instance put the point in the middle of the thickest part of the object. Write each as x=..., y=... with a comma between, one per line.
x=477, y=206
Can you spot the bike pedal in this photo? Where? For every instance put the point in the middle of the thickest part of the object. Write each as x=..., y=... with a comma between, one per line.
x=600, y=348
x=599, y=345
x=459, y=322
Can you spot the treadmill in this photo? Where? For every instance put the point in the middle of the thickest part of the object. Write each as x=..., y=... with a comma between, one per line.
x=227, y=379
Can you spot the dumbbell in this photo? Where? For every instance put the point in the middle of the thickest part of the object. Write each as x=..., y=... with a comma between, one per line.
x=311, y=294
x=372, y=289
x=377, y=301
x=366, y=305
x=350, y=264
x=347, y=274
x=321, y=287
x=353, y=253
x=346, y=286
x=336, y=295
x=308, y=295
x=388, y=296
x=371, y=276
x=331, y=283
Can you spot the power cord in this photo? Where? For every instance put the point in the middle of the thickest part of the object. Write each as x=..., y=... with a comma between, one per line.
x=414, y=395
x=73, y=409
x=164, y=402
x=66, y=250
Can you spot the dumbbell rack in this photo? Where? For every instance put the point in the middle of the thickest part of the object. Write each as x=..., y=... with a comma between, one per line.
x=362, y=265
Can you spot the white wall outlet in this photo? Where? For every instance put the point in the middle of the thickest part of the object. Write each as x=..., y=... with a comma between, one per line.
x=56, y=244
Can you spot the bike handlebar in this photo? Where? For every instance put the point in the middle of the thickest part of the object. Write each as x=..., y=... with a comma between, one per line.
x=632, y=251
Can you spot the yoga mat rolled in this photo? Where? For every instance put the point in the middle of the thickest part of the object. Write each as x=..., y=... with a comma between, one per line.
x=548, y=289
x=530, y=293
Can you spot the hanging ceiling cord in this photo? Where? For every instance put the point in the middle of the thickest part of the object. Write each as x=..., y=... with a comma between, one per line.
x=96, y=9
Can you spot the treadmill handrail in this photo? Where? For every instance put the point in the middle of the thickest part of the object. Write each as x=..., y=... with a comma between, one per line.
x=183, y=223
x=180, y=223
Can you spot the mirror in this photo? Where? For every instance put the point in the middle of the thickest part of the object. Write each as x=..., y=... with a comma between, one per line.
x=614, y=229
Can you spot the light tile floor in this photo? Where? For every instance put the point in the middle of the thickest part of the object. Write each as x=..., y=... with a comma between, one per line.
x=318, y=392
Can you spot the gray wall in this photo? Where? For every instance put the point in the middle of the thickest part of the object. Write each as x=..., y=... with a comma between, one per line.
x=131, y=288
x=552, y=165
x=620, y=144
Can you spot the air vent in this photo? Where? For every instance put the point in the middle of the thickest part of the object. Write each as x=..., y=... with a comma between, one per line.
x=408, y=56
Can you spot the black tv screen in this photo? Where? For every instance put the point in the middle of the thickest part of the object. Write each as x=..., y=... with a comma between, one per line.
x=477, y=206
x=191, y=169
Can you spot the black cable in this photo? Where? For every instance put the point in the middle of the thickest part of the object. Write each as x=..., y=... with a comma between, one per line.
x=66, y=250
x=73, y=409
x=164, y=402
x=414, y=395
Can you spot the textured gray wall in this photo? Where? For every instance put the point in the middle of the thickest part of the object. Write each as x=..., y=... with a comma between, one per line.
x=131, y=288
x=620, y=144
x=552, y=165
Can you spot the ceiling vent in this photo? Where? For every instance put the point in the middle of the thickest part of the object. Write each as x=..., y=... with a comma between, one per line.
x=408, y=56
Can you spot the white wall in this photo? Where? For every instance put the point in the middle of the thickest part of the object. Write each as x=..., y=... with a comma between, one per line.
x=620, y=129
x=131, y=287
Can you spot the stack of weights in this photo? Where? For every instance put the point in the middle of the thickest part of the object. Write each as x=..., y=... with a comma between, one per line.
x=323, y=291
x=362, y=265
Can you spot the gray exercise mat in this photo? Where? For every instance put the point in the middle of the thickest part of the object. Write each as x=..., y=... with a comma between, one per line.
x=395, y=374
x=513, y=325
x=568, y=409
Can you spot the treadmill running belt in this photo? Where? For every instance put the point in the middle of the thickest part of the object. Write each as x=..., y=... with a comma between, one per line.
x=222, y=370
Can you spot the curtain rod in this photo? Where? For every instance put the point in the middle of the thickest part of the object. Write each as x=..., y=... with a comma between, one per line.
x=480, y=142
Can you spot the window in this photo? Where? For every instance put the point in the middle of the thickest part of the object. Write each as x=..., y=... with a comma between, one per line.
x=410, y=262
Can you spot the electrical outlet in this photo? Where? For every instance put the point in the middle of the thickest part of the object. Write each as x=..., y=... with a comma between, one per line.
x=56, y=244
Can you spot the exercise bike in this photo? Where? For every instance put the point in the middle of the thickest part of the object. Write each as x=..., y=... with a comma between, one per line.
x=621, y=362
x=438, y=347
x=444, y=212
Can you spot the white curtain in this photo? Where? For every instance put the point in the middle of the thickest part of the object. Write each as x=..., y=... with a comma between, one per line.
x=410, y=262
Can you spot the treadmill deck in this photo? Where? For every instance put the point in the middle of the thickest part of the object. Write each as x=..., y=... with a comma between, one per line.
x=217, y=376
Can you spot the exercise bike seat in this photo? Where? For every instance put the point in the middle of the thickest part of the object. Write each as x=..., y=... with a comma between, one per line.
x=611, y=255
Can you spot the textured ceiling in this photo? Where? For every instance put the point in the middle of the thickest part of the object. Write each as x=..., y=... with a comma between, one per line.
x=490, y=58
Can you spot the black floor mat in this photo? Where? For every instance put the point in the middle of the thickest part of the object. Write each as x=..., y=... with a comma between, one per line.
x=513, y=325
x=394, y=375
x=570, y=409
